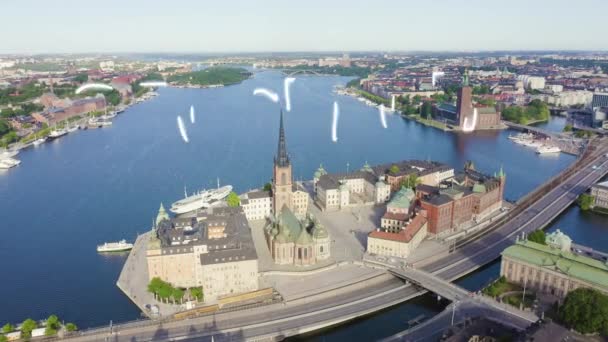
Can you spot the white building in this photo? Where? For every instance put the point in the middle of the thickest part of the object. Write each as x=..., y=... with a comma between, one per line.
x=257, y=205
x=532, y=82
x=400, y=244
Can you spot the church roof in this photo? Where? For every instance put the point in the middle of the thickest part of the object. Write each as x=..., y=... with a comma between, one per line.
x=403, y=198
x=320, y=232
x=289, y=226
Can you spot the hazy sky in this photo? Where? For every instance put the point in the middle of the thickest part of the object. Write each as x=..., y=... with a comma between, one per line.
x=34, y=26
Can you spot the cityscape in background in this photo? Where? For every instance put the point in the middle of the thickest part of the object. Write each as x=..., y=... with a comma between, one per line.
x=393, y=195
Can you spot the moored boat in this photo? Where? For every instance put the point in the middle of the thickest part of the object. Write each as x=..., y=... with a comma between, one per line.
x=119, y=246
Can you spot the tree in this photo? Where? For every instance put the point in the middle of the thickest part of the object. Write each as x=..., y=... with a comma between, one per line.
x=3, y=338
x=233, y=199
x=267, y=187
x=52, y=325
x=394, y=169
x=568, y=128
x=26, y=327
x=71, y=327
x=197, y=292
x=81, y=78
x=410, y=181
x=426, y=109
x=177, y=294
x=537, y=236
x=7, y=328
x=586, y=311
x=586, y=201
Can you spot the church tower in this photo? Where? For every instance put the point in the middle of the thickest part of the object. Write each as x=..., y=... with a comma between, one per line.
x=282, y=177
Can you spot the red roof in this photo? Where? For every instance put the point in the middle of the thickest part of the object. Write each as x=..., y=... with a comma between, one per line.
x=394, y=216
x=404, y=235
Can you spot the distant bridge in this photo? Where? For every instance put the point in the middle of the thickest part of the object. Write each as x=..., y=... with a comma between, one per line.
x=301, y=72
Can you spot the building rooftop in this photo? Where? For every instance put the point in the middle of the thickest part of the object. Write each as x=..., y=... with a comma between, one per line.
x=603, y=185
x=180, y=235
x=406, y=234
x=577, y=266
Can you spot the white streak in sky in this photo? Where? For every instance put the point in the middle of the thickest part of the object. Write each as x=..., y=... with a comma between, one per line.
x=470, y=127
x=93, y=86
x=182, y=129
x=334, y=124
x=269, y=94
x=286, y=83
x=382, y=116
x=153, y=84
x=192, y=118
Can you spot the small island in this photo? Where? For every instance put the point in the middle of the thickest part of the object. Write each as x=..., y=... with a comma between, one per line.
x=210, y=77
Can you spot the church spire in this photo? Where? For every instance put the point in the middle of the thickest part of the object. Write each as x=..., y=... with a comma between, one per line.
x=282, y=159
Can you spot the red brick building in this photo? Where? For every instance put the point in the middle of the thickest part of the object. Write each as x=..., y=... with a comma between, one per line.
x=469, y=196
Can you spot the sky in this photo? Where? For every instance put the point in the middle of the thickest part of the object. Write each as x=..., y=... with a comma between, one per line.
x=202, y=26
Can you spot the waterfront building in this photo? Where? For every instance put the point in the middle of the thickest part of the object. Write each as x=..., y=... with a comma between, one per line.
x=468, y=197
x=297, y=242
x=552, y=268
x=69, y=108
x=398, y=243
x=600, y=195
x=213, y=250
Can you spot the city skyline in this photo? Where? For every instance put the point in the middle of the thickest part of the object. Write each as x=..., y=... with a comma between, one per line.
x=238, y=26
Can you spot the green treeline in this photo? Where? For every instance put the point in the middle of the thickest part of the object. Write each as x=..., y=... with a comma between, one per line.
x=211, y=76
x=536, y=110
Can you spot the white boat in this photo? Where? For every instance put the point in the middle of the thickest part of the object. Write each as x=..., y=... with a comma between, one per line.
x=548, y=149
x=73, y=129
x=39, y=141
x=119, y=246
x=201, y=199
x=8, y=154
x=9, y=163
x=56, y=133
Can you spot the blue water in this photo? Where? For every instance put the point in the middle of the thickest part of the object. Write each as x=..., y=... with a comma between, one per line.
x=103, y=185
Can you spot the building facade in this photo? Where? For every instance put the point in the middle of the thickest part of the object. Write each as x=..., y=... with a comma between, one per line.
x=399, y=243
x=257, y=205
x=470, y=196
x=552, y=268
x=214, y=251
x=600, y=195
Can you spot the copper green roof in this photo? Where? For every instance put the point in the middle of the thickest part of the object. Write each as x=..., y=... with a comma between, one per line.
x=479, y=188
x=367, y=168
x=403, y=198
x=289, y=226
x=576, y=266
x=162, y=214
x=320, y=232
x=304, y=238
x=320, y=171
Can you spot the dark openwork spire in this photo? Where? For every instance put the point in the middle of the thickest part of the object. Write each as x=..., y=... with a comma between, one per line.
x=282, y=159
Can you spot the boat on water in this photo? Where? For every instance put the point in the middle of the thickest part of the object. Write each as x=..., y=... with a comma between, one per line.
x=201, y=199
x=40, y=141
x=119, y=246
x=73, y=129
x=548, y=149
x=8, y=163
x=56, y=133
x=8, y=154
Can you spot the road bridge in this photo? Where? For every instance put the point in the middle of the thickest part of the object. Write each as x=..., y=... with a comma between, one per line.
x=537, y=130
x=432, y=283
x=291, y=73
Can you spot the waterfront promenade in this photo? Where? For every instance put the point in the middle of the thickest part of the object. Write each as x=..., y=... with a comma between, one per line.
x=289, y=319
